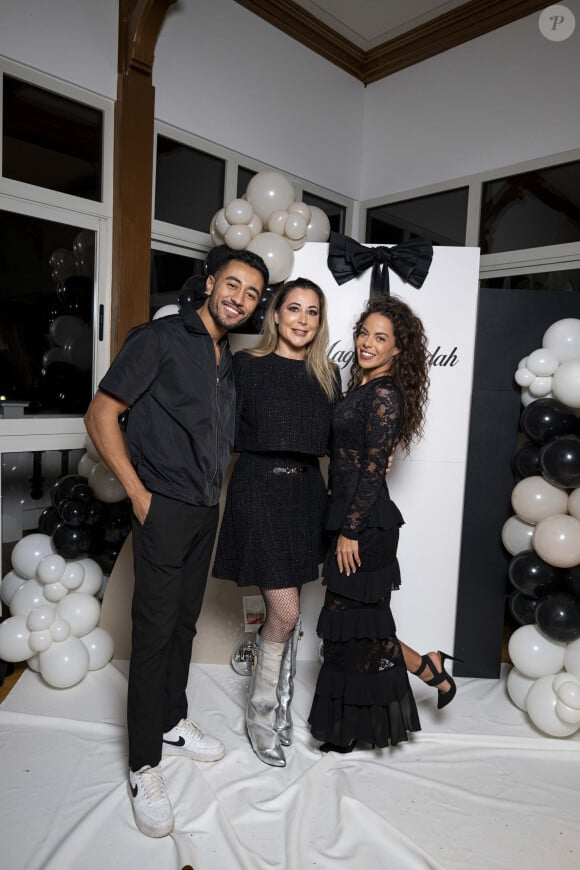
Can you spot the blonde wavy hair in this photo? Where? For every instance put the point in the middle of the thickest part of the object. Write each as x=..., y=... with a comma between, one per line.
x=317, y=363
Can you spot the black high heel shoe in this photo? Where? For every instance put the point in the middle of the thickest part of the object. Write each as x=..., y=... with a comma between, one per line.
x=334, y=747
x=439, y=677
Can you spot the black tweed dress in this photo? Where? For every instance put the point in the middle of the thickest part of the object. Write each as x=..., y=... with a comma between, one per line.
x=272, y=532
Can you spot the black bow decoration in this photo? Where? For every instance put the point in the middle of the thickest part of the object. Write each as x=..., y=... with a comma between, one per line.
x=410, y=260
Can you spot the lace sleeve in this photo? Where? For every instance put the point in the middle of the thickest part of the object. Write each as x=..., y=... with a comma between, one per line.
x=382, y=418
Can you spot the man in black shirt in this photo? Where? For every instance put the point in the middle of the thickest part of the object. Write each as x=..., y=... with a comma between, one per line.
x=175, y=375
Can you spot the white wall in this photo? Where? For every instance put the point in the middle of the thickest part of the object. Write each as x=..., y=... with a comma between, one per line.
x=224, y=74
x=75, y=40
x=509, y=96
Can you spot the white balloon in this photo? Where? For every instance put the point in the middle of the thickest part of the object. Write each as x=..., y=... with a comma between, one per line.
x=300, y=208
x=573, y=504
x=65, y=664
x=540, y=387
x=518, y=686
x=165, y=311
x=318, y=229
x=105, y=485
x=52, y=355
x=533, y=499
x=66, y=328
x=99, y=643
x=216, y=237
x=296, y=244
x=563, y=677
x=557, y=540
x=569, y=693
x=86, y=464
x=41, y=618
x=572, y=658
x=50, y=568
x=542, y=362
x=73, y=575
x=527, y=397
x=238, y=237
x=91, y=449
x=566, y=383
x=39, y=641
x=93, y=576
x=541, y=703
x=563, y=339
x=30, y=595
x=221, y=224
x=268, y=191
x=277, y=221
x=34, y=663
x=238, y=211
x=60, y=630
x=276, y=253
x=524, y=377
x=295, y=228
x=522, y=362
x=14, y=635
x=55, y=592
x=567, y=714
x=255, y=226
x=516, y=535
x=80, y=611
x=535, y=655
x=10, y=584
x=28, y=552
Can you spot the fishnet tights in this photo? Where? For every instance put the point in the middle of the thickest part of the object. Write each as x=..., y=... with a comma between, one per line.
x=282, y=612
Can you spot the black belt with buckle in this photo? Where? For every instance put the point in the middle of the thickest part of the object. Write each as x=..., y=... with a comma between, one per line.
x=290, y=469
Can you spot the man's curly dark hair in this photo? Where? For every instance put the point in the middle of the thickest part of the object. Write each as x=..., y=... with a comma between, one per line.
x=409, y=369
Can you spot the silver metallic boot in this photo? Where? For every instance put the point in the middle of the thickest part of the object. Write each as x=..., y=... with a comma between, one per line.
x=286, y=688
x=262, y=703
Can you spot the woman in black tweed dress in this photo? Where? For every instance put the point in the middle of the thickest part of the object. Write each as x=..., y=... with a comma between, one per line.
x=272, y=529
x=363, y=691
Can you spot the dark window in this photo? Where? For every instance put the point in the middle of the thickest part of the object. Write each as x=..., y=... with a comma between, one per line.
x=170, y=274
x=531, y=210
x=336, y=213
x=46, y=316
x=244, y=178
x=189, y=185
x=566, y=279
x=440, y=217
x=51, y=141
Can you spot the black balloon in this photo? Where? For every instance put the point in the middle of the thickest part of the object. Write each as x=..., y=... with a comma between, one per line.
x=526, y=462
x=75, y=294
x=558, y=617
x=192, y=292
x=49, y=521
x=572, y=580
x=532, y=576
x=94, y=513
x=545, y=419
x=72, y=511
x=106, y=557
x=62, y=489
x=560, y=461
x=71, y=543
x=522, y=608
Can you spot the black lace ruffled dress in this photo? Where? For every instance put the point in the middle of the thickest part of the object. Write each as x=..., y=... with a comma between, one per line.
x=272, y=532
x=363, y=690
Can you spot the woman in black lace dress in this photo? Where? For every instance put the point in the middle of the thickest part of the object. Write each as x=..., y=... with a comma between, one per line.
x=363, y=692
x=271, y=533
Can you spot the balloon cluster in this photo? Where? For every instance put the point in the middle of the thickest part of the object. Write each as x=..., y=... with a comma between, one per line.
x=54, y=613
x=554, y=369
x=90, y=514
x=543, y=537
x=269, y=222
x=65, y=378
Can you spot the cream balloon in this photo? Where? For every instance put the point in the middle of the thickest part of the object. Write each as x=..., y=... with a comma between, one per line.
x=542, y=362
x=216, y=237
x=563, y=339
x=295, y=228
x=518, y=686
x=80, y=611
x=277, y=221
x=50, y=568
x=533, y=499
x=64, y=664
x=318, y=229
x=574, y=503
x=99, y=644
x=14, y=635
x=541, y=705
x=535, y=655
x=105, y=485
x=572, y=659
x=238, y=237
x=255, y=226
x=557, y=540
x=238, y=211
x=566, y=383
x=517, y=535
x=567, y=714
x=221, y=223
x=268, y=191
x=569, y=693
x=276, y=253
x=300, y=208
x=28, y=552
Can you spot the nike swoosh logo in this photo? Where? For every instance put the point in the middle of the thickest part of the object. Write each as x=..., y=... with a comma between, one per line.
x=180, y=742
x=134, y=790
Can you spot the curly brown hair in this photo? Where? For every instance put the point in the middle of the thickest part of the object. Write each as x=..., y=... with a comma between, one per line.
x=409, y=368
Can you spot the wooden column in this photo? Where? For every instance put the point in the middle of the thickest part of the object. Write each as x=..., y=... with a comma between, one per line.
x=139, y=25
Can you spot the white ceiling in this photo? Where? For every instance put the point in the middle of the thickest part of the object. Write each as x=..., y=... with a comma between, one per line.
x=369, y=23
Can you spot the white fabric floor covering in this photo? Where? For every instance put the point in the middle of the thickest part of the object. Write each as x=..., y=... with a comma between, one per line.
x=479, y=787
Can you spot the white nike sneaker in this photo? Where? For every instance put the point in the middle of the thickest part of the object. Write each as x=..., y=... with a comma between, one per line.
x=151, y=806
x=189, y=740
